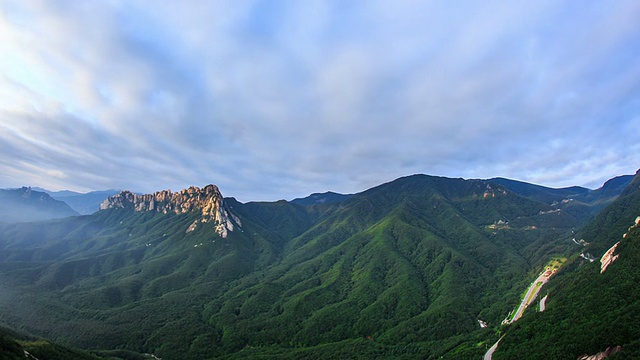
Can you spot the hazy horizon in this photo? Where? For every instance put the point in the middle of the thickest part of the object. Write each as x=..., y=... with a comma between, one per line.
x=39, y=188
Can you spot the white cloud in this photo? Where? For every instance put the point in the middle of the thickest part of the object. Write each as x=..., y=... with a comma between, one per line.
x=272, y=100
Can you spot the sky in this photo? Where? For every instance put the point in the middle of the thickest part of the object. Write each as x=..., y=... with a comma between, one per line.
x=279, y=99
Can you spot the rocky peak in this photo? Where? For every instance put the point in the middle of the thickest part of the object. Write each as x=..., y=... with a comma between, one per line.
x=207, y=200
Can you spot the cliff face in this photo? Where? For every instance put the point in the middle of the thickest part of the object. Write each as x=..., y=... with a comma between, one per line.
x=608, y=258
x=208, y=201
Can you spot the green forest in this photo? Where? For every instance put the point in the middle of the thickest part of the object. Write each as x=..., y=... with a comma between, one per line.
x=403, y=270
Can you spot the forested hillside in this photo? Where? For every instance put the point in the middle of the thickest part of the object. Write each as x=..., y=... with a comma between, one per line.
x=404, y=270
x=591, y=307
x=15, y=346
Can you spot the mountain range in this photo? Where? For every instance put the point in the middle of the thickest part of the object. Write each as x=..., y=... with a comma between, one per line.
x=593, y=305
x=28, y=204
x=420, y=267
x=83, y=203
x=25, y=204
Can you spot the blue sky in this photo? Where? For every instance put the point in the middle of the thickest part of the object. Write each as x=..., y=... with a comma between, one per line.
x=279, y=99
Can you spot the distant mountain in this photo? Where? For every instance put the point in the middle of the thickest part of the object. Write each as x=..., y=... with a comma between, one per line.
x=541, y=193
x=593, y=308
x=86, y=203
x=610, y=189
x=604, y=230
x=580, y=202
x=321, y=198
x=405, y=269
x=25, y=204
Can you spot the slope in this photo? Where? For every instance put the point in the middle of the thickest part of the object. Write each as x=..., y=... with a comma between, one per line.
x=127, y=278
x=24, y=204
x=411, y=262
x=324, y=198
x=86, y=203
x=18, y=346
x=403, y=269
x=541, y=193
x=613, y=220
x=580, y=202
x=590, y=307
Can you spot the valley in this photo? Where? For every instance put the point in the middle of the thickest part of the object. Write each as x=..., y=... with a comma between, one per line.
x=583, y=301
x=401, y=270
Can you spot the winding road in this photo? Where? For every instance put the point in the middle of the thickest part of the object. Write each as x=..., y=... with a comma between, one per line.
x=489, y=353
x=531, y=294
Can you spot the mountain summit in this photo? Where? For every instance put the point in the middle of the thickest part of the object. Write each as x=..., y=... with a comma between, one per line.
x=207, y=200
x=26, y=204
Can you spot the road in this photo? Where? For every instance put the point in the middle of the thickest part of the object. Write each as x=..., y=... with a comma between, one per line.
x=489, y=353
x=531, y=294
x=543, y=303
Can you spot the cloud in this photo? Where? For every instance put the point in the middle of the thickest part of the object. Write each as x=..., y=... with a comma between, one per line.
x=272, y=99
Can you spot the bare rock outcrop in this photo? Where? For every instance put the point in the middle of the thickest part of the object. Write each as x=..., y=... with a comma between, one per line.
x=208, y=201
x=608, y=258
x=602, y=355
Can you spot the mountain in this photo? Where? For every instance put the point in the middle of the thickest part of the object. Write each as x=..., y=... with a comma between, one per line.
x=411, y=265
x=31, y=348
x=613, y=187
x=601, y=233
x=593, y=307
x=580, y=202
x=25, y=204
x=55, y=194
x=321, y=198
x=541, y=193
x=140, y=259
x=402, y=270
x=86, y=203
x=17, y=346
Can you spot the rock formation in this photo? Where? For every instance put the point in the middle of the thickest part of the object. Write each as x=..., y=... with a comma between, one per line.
x=608, y=258
x=602, y=355
x=207, y=200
